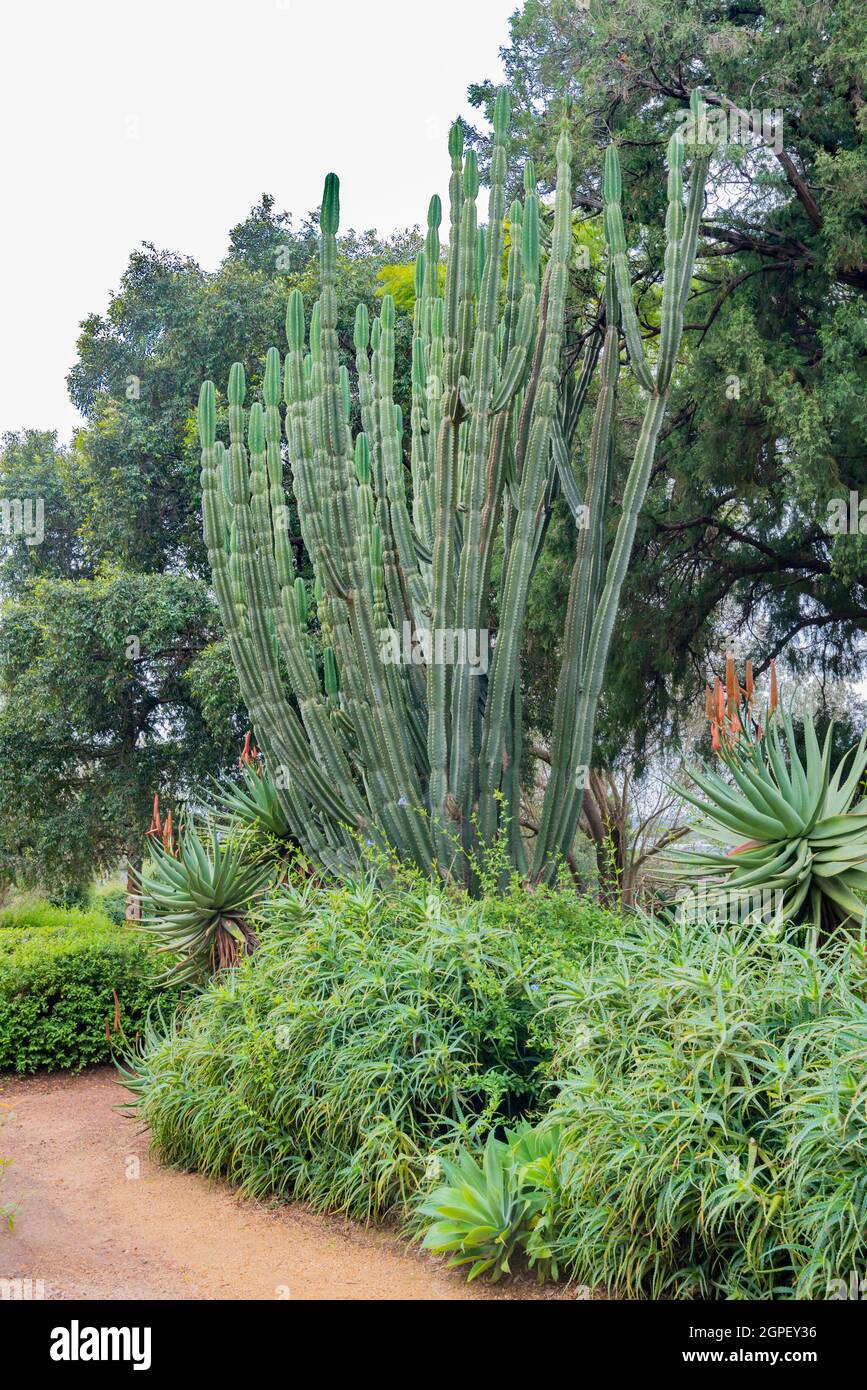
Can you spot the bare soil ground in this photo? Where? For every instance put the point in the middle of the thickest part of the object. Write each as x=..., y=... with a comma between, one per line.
x=98, y=1218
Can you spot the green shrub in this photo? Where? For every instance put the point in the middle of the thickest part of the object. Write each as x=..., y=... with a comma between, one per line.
x=713, y=1115
x=368, y=1033
x=59, y=973
x=555, y=929
x=110, y=901
x=35, y=914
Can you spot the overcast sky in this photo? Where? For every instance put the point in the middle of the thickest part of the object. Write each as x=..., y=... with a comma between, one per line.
x=165, y=120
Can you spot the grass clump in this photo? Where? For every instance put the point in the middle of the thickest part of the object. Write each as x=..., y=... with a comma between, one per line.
x=370, y=1033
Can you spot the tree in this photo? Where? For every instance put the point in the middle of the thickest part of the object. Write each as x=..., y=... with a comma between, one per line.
x=41, y=512
x=98, y=681
x=769, y=408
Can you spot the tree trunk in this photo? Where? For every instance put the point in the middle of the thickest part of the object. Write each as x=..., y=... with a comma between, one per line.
x=133, y=906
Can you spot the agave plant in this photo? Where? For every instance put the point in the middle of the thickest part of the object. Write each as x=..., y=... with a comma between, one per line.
x=784, y=831
x=196, y=899
x=487, y=1211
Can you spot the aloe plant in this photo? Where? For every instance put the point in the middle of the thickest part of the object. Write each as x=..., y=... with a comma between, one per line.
x=252, y=804
x=196, y=898
x=783, y=831
x=423, y=755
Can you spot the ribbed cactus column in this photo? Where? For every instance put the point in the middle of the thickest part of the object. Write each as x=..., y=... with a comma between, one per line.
x=586, y=644
x=375, y=700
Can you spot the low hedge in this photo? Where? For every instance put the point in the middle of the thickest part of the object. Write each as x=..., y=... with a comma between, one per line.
x=60, y=970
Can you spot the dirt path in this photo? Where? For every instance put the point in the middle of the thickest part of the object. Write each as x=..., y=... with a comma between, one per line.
x=98, y=1218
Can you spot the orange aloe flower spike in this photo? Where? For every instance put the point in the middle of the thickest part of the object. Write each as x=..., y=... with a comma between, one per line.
x=748, y=681
x=731, y=681
x=775, y=694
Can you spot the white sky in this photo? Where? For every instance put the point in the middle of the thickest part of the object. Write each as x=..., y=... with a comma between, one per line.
x=165, y=120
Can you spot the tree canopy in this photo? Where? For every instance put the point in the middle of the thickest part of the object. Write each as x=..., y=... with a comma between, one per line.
x=769, y=410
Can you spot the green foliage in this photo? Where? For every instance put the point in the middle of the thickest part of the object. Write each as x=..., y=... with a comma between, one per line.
x=34, y=470
x=399, y=282
x=782, y=826
x=97, y=715
x=196, y=902
x=111, y=902
x=487, y=1212
x=711, y=1113
x=35, y=914
x=368, y=1032
x=555, y=928
x=73, y=987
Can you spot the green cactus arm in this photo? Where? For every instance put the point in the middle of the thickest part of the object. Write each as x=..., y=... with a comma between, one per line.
x=392, y=456
x=672, y=290
x=287, y=738
x=445, y=503
x=378, y=726
x=470, y=596
x=615, y=240
x=567, y=796
x=532, y=486
x=581, y=604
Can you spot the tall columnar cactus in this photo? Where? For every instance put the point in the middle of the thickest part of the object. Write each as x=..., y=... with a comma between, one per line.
x=417, y=746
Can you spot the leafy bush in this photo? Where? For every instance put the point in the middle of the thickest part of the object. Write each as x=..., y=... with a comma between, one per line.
x=556, y=929
x=712, y=1115
x=35, y=914
x=110, y=901
x=66, y=979
x=368, y=1033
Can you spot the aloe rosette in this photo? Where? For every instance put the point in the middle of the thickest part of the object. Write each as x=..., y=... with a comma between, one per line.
x=779, y=824
x=196, y=899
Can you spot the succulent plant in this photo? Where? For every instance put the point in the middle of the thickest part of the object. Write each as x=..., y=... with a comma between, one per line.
x=488, y=1211
x=787, y=834
x=196, y=899
x=253, y=804
x=424, y=756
